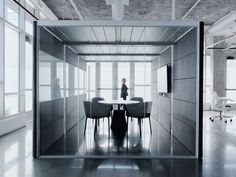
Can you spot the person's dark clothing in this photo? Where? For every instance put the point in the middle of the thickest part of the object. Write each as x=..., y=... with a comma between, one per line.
x=124, y=92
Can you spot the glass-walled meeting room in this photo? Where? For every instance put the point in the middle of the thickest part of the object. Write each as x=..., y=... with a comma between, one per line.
x=106, y=89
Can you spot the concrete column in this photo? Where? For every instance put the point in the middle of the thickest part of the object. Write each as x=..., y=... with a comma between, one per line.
x=218, y=71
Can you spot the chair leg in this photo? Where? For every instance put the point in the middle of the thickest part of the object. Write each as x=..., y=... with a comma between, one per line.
x=85, y=126
x=150, y=124
x=127, y=125
x=95, y=128
x=140, y=128
x=109, y=126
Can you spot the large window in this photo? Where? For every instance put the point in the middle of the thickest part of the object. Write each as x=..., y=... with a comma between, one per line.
x=81, y=81
x=123, y=72
x=28, y=75
x=12, y=12
x=109, y=81
x=16, y=34
x=106, y=80
x=142, y=85
x=91, y=80
x=231, y=84
x=207, y=80
x=11, y=71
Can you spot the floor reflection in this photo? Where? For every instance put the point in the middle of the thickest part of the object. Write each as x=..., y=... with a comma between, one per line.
x=219, y=158
x=159, y=143
x=15, y=149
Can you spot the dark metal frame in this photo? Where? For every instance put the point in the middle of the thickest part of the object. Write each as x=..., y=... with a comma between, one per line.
x=201, y=53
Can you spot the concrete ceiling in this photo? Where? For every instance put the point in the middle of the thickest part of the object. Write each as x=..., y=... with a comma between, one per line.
x=208, y=11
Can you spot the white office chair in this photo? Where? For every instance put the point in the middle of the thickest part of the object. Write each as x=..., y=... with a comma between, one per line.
x=218, y=105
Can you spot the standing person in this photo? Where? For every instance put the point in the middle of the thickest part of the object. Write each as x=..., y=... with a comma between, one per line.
x=124, y=89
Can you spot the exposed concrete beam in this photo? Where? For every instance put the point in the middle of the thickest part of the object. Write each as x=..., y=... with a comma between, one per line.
x=76, y=9
x=118, y=54
x=223, y=23
x=173, y=10
x=44, y=9
x=194, y=5
x=219, y=42
x=76, y=43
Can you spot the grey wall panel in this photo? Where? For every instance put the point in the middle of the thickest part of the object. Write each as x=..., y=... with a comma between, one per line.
x=164, y=102
x=72, y=113
x=82, y=98
x=185, y=89
x=185, y=112
x=71, y=57
x=164, y=119
x=154, y=88
x=51, y=111
x=185, y=67
x=51, y=123
x=50, y=44
x=165, y=58
x=185, y=134
x=50, y=133
x=82, y=64
x=186, y=44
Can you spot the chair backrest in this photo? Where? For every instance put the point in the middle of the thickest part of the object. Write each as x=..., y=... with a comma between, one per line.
x=216, y=102
x=96, y=110
x=215, y=99
x=140, y=99
x=97, y=99
x=137, y=110
x=149, y=107
x=87, y=108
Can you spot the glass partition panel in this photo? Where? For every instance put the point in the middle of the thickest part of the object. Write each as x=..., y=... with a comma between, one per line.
x=155, y=123
x=51, y=77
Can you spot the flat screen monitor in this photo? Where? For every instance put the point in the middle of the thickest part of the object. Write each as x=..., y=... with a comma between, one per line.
x=162, y=79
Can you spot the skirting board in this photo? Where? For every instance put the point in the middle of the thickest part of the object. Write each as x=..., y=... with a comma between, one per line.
x=12, y=123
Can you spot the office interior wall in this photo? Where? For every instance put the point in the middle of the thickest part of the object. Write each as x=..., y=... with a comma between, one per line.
x=51, y=114
x=154, y=92
x=58, y=101
x=185, y=89
x=72, y=102
x=164, y=101
x=82, y=98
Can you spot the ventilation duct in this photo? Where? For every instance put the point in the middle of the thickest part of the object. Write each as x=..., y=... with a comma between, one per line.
x=117, y=7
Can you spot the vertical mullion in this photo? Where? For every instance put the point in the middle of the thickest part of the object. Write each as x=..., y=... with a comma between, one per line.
x=21, y=61
x=2, y=5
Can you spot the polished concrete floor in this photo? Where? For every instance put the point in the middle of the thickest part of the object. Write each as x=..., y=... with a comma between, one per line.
x=219, y=158
x=106, y=143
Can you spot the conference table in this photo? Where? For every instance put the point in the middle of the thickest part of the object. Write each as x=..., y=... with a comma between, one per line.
x=118, y=124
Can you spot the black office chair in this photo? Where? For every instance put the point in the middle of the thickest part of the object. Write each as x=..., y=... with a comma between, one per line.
x=96, y=111
x=140, y=99
x=97, y=99
x=140, y=111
